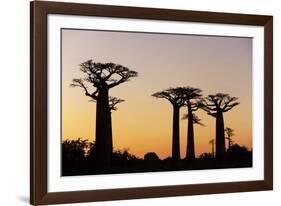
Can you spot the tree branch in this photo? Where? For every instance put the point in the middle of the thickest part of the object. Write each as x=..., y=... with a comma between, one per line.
x=229, y=107
x=228, y=101
x=80, y=83
x=205, y=106
x=125, y=74
x=113, y=101
x=213, y=114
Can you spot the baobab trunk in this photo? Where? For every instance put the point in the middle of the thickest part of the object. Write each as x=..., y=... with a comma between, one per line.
x=176, y=133
x=220, y=139
x=103, y=147
x=190, y=151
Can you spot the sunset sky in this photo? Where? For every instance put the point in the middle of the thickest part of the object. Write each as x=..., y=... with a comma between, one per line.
x=143, y=123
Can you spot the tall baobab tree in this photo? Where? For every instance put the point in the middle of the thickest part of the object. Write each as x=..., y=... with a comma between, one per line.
x=175, y=97
x=229, y=134
x=102, y=77
x=216, y=105
x=113, y=101
x=191, y=97
x=212, y=142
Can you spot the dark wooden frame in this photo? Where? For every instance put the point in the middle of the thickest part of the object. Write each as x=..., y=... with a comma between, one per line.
x=38, y=102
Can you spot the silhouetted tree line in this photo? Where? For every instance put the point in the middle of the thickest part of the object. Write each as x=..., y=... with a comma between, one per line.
x=214, y=105
x=78, y=158
x=84, y=157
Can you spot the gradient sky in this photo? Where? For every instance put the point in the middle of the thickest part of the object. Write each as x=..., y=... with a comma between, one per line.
x=143, y=123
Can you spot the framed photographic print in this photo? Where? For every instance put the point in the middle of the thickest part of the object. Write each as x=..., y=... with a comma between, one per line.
x=133, y=102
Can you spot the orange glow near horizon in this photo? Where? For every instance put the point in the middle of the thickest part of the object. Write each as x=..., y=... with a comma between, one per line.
x=143, y=123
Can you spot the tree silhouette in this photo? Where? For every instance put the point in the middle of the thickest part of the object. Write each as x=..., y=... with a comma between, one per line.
x=175, y=97
x=216, y=105
x=113, y=101
x=191, y=97
x=190, y=149
x=229, y=133
x=102, y=77
x=212, y=142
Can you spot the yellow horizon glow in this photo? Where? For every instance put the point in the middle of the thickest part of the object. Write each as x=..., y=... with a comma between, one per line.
x=143, y=123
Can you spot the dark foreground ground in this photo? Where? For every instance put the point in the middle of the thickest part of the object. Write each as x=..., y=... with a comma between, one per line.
x=156, y=166
x=75, y=163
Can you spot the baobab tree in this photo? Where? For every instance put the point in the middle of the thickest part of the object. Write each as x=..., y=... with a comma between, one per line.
x=216, y=105
x=191, y=98
x=175, y=97
x=113, y=101
x=102, y=77
x=190, y=150
x=212, y=142
x=229, y=134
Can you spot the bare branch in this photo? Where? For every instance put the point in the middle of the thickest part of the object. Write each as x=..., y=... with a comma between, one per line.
x=164, y=95
x=228, y=100
x=195, y=119
x=229, y=107
x=113, y=101
x=80, y=83
x=229, y=132
x=219, y=101
x=196, y=105
x=205, y=106
x=213, y=114
x=101, y=74
x=124, y=73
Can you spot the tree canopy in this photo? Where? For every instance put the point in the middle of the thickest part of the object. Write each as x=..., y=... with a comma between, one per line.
x=218, y=102
x=102, y=76
x=173, y=95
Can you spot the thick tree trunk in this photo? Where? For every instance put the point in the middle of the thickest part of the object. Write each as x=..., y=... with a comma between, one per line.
x=220, y=138
x=176, y=134
x=103, y=147
x=190, y=151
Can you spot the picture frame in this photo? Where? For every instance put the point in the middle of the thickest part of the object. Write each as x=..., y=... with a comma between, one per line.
x=39, y=11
